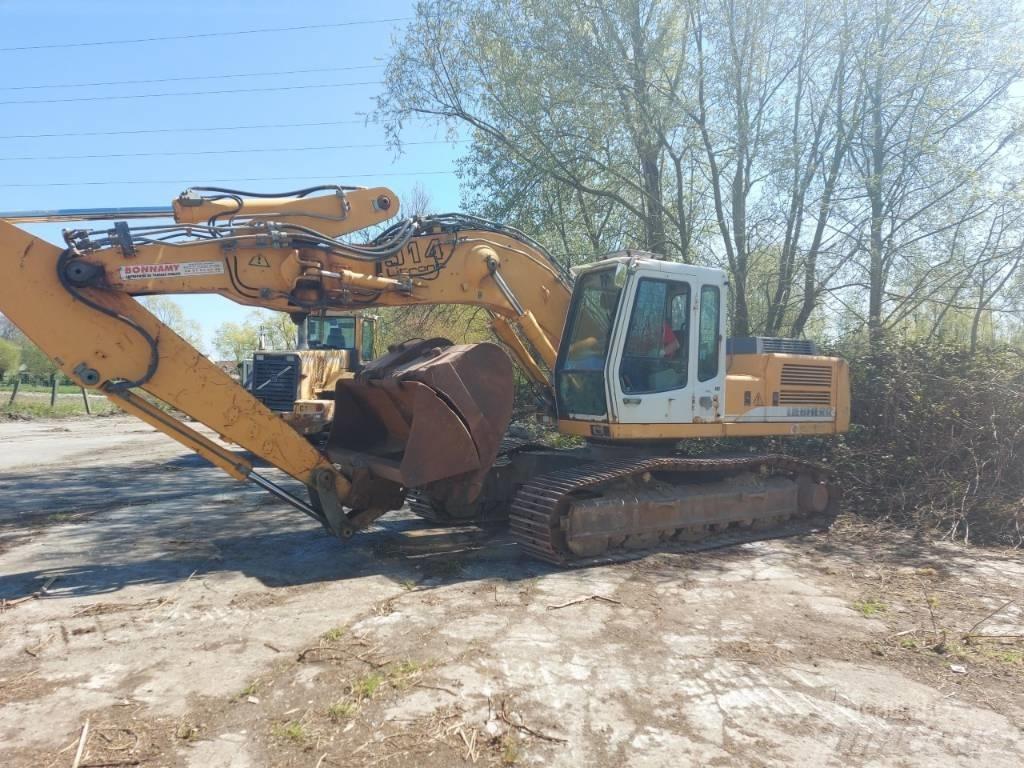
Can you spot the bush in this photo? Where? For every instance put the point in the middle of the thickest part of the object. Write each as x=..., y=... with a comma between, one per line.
x=10, y=359
x=38, y=367
x=937, y=439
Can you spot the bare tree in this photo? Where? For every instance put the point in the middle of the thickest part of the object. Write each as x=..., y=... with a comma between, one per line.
x=417, y=203
x=934, y=75
x=8, y=330
x=583, y=95
x=841, y=160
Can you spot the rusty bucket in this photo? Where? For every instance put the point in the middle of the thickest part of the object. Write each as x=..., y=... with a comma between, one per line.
x=429, y=412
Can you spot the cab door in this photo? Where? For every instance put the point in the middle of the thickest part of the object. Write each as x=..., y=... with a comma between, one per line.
x=708, y=361
x=650, y=371
x=367, y=350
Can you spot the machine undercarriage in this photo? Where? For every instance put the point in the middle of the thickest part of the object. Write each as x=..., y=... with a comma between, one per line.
x=569, y=506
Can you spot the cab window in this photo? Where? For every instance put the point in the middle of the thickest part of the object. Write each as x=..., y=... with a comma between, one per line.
x=580, y=376
x=332, y=332
x=707, y=344
x=656, y=352
x=366, y=352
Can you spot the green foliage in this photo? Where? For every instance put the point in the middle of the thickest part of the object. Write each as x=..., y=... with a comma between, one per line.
x=511, y=751
x=367, y=687
x=833, y=158
x=170, y=313
x=63, y=387
x=262, y=329
x=235, y=341
x=67, y=407
x=869, y=608
x=276, y=328
x=1012, y=656
x=459, y=324
x=38, y=367
x=556, y=122
x=10, y=359
x=186, y=731
x=342, y=710
x=250, y=689
x=333, y=634
x=293, y=731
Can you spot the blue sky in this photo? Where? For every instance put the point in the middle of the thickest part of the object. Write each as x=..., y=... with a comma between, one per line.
x=62, y=183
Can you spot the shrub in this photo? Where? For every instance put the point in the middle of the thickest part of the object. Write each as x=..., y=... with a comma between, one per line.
x=10, y=359
x=937, y=439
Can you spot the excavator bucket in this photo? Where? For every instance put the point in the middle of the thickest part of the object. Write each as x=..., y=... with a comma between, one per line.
x=427, y=414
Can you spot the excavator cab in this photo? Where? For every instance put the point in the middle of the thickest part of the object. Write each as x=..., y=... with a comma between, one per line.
x=643, y=346
x=644, y=357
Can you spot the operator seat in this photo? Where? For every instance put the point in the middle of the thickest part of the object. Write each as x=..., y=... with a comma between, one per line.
x=335, y=339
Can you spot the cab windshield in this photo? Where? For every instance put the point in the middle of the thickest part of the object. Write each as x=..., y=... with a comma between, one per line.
x=581, y=376
x=331, y=332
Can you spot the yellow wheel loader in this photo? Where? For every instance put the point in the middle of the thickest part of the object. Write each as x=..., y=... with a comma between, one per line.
x=298, y=384
x=630, y=354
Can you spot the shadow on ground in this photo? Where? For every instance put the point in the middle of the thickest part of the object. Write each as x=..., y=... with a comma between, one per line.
x=99, y=530
x=277, y=558
x=102, y=529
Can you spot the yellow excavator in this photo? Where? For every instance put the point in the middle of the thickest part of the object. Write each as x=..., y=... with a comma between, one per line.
x=629, y=353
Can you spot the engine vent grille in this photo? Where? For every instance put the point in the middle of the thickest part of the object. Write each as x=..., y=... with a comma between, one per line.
x=275, y=380
x=757, y=345
x=792, y=397
x=799, y=375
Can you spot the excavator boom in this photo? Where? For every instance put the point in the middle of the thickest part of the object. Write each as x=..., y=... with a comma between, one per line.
x=424, y=415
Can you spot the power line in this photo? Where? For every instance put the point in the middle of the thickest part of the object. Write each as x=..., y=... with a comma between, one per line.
x=194, y=153
x=193, y=77
x=190, y=93
x=199, y=35
x=210, y=129
x=339, y=178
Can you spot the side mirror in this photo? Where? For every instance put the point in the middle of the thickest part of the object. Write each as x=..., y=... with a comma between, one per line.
x=621, y=273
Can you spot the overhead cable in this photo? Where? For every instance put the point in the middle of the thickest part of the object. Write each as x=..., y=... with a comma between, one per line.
x=189, y=93
x=199, y=152
x=191, y=77
x=321, y=177
x=196, y=129
x=198, y=35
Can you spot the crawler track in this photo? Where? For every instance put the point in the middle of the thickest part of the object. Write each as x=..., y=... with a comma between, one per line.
x=539, y=507
x=491, y=508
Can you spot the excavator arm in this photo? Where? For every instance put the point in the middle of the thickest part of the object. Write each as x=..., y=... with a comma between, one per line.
x=426, y=414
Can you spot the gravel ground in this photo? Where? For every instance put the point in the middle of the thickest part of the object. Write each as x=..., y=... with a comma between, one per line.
x=192, y=621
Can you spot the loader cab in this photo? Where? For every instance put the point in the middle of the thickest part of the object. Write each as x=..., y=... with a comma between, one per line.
x=354, y=333
x=643, y=346
x=299, y=383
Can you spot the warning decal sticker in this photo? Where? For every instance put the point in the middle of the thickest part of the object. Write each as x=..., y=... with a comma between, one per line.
x=188, y=269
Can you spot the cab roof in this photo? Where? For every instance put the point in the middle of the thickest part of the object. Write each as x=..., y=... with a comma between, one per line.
x=645, y=259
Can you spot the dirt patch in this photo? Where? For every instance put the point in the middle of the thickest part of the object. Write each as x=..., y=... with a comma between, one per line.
x=202, y=626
